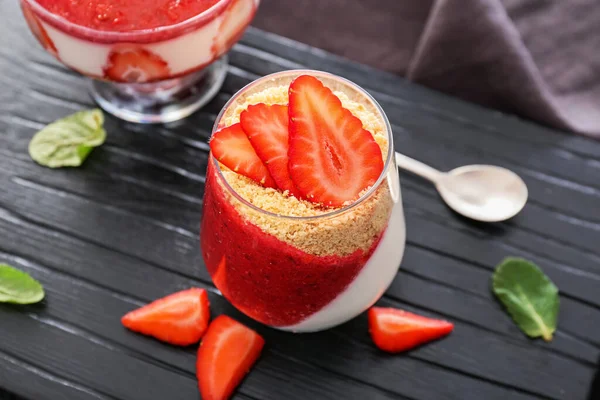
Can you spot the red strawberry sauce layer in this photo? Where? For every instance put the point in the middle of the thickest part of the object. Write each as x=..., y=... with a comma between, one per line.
x=129, y=15
x=269, y=280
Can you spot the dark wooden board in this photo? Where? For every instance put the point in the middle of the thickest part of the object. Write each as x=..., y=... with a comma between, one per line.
x=123, y=230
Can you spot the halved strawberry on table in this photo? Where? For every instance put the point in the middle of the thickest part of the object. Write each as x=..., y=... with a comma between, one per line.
x=395, y=330
x=332, y=158
x=180, y=318
x=225, y=356
x=267, y=129
x=231, y=147
x=135, y=65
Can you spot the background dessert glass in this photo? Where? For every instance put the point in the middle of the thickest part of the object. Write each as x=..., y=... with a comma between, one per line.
x=288, y=279
x=153, y=75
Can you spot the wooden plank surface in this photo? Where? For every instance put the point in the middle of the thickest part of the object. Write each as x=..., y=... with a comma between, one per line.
x=123, y=230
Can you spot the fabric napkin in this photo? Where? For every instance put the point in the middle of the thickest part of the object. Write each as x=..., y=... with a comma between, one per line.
x=536, y=58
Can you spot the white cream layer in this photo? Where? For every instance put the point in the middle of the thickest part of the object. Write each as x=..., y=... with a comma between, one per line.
x=374, y=278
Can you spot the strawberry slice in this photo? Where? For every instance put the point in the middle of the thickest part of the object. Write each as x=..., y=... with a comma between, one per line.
x=135, y=65
x=226, y=354
x=396, y=330
x=267, y=129
x=332, y=159
x=231, y=147
x=38, y=30
x=180, y=318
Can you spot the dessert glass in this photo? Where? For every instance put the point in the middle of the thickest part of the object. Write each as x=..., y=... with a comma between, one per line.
x=155, y=75
x=307, y=273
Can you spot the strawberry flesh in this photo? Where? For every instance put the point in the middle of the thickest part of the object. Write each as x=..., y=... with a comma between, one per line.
x=395, y=330
x=231, y=147
x=267, y=129
x=332, y=159
x=226, y=355
x=135, y=65
x=180, y=318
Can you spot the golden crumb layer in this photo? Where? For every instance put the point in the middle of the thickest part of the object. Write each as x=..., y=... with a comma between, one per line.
x=341, y=234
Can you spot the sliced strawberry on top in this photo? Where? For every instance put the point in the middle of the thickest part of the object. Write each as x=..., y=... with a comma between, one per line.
x=226, y=354
x=331, y=157
x=231, y=147
x=396, y=330
x=267, y=129
x=135, y=65
x=180, y=318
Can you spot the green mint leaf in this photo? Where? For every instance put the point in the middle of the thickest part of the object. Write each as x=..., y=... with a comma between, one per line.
x=18, y=287
x=529, y=296
x=68, y=141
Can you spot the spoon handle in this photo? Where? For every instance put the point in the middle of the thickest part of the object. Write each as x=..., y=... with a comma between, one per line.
x=417, y=167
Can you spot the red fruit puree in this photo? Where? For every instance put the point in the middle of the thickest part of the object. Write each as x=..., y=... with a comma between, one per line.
x=126, y=15
x=269, y=280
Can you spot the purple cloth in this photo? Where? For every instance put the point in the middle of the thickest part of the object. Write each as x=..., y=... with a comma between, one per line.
x=536, y=58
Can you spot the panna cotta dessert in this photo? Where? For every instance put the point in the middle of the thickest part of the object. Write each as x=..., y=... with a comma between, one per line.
x=302, y=226
x=140, y=42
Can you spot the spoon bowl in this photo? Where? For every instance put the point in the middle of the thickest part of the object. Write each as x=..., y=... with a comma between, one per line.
x=483, y=192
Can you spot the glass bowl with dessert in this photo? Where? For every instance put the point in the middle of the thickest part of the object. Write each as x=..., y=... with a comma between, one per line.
x=151, y=61
x=302, y=224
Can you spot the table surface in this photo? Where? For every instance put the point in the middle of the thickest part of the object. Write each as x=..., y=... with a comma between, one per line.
x=123, y=230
